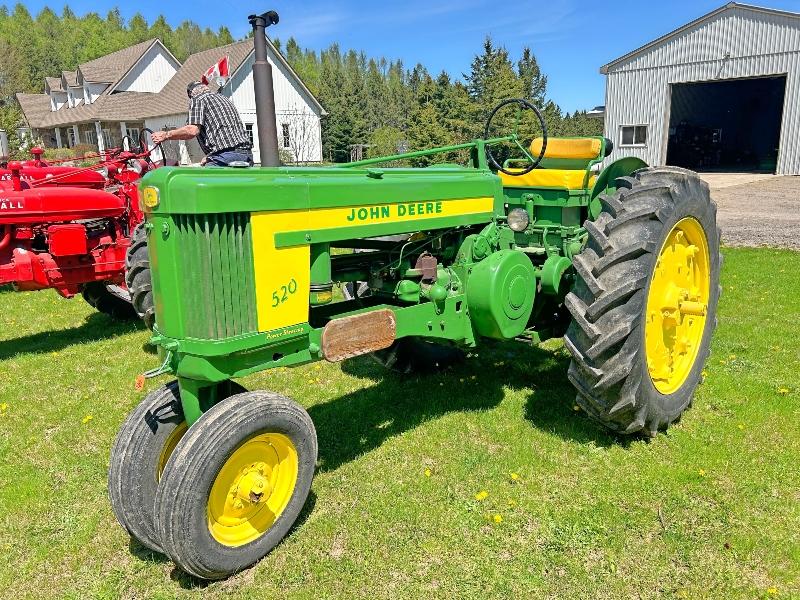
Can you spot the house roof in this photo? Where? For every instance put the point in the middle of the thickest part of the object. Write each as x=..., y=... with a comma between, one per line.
x=135, y=106
x=673, y=34
x=70, y=77
x=53, y=84
x=112, y=67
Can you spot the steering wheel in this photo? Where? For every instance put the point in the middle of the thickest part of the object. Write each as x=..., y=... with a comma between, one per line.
x=532, y=162
x=143, y=146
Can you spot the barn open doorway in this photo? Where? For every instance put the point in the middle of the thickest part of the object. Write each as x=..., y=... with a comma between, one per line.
x=731, y=125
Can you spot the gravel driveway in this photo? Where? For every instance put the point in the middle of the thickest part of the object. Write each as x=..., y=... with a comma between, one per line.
x=757, y=210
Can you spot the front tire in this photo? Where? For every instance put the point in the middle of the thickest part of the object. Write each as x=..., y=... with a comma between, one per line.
x=235, y=484
x=140, y=452
x=645, y=300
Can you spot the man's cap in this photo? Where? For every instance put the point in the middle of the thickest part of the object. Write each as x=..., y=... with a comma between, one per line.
x=191, y=86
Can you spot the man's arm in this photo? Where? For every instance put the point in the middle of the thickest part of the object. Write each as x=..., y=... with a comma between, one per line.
x=187, y=132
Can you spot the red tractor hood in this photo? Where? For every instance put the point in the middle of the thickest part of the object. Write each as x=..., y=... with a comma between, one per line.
x=53, y=204
x=61, y=176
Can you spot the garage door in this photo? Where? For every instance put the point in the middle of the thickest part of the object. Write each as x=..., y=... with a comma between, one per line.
x=731, y=125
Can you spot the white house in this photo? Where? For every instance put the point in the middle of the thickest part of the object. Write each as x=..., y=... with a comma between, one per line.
x=144, y=86
x=719, y=93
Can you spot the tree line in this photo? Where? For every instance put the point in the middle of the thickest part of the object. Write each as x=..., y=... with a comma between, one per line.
x=375, y=104
x=384, y=107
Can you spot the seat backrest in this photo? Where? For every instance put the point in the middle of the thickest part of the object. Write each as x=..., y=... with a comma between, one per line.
x=572, y=153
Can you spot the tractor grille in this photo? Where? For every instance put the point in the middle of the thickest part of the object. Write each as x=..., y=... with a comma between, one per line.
x=215, y=263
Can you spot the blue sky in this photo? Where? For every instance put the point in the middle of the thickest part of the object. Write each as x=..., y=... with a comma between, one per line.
x=571, y=38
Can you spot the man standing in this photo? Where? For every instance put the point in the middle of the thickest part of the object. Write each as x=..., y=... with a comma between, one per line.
x=215, y=122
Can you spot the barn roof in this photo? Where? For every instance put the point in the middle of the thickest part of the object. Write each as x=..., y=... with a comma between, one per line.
x=677, y=32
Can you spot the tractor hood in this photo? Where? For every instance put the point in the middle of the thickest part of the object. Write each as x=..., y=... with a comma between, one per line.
x=54, y=204
x=61, y=176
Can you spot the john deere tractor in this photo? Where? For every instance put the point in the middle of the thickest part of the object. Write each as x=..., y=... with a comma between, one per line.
x=622, y=261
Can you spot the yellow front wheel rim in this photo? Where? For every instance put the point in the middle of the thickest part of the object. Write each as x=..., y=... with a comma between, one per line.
x=252, y=489
x=677, y=305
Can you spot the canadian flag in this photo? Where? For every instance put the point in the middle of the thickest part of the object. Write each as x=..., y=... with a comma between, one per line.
x=217, y=72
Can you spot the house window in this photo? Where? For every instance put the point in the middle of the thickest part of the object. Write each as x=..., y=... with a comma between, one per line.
x=91, y=137
x=285, y=135
x=248, y=129
x=108, y=141
x=634, y=135
x=133, y=137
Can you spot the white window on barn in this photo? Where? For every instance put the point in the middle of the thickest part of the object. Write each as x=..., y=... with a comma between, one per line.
x=248, y=128
x=633, y=135
x=285, y=135
x=91, y=137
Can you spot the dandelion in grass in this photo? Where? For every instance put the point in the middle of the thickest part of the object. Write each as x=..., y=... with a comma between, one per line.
x=701, y=472
x=428, y=472
x=497, y=519
x=704, y=374
x=3, y=407
x=512, y=503
x=783, y=391
x=514, y=477
x=86, y=419
x=740, y=426
x=481, y=496
x=773, y=591
x=732, y=357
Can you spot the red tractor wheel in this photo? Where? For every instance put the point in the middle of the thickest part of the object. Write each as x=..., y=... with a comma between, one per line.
x=109, y=299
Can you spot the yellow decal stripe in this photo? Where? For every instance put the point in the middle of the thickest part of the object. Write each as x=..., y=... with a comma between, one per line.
x=282, y=275
x=372, y=214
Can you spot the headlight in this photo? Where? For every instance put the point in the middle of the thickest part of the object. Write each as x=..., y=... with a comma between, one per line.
x=518, y=219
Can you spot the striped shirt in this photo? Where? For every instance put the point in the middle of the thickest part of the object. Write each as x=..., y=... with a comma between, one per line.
x=220, y=126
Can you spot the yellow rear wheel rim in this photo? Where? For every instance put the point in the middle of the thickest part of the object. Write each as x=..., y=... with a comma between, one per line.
x=677, y=305
x=252, y=489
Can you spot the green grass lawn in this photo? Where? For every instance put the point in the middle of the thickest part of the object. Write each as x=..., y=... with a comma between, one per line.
x=710, y=510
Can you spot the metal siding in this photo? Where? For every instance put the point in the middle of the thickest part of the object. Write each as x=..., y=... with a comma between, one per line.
x=760, y=44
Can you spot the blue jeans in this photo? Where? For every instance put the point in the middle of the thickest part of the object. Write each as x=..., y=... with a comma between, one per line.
x=226, y=157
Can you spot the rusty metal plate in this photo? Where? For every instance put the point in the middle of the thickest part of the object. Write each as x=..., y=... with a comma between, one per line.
x=359, y=334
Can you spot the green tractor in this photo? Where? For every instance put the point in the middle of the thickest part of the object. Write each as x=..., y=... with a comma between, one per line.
x=623, y=262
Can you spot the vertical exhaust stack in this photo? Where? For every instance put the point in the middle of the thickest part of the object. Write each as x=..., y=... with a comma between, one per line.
x=264, y=91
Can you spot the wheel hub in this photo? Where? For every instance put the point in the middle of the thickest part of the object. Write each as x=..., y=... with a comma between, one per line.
x=252, y=489
x=677, y=304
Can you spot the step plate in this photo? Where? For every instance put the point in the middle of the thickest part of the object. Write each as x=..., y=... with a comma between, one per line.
x=360, y=334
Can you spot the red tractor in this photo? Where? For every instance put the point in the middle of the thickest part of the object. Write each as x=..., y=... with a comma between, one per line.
x=69, y=228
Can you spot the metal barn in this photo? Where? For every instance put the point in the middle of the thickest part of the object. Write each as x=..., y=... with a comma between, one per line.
x=721, y=93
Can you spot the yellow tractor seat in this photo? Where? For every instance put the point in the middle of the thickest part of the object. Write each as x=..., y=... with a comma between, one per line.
x=560, y=178
x=566, y=164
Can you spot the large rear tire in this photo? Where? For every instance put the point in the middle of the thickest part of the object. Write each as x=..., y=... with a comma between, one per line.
x=137, y=276
x=645, y=300
x=109, y=299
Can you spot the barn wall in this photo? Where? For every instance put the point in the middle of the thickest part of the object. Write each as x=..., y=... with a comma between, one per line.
x=758, y=44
